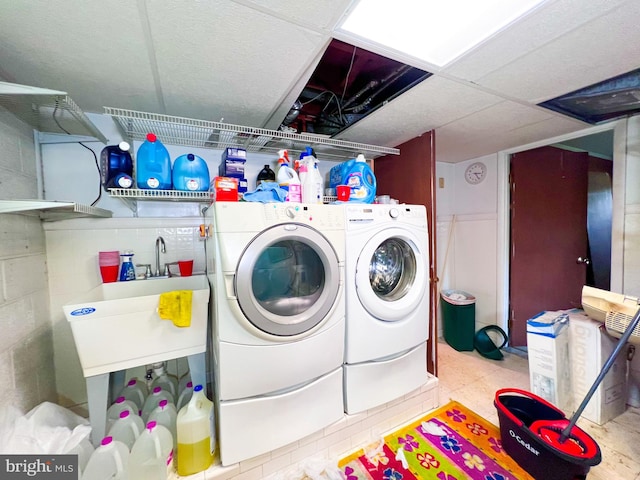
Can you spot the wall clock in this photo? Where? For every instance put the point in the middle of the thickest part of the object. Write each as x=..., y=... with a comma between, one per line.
x=475, y=173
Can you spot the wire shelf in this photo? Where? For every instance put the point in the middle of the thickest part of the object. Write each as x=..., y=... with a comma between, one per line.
x=175, y=195
x=161, y=195
x=206, y=134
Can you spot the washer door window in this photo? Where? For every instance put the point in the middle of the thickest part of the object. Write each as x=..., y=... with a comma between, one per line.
x=287, y=280
x=391, y=278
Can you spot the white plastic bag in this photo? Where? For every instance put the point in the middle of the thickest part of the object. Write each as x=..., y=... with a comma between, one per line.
x=321, y=469
x=314, y=468
x=47, y=428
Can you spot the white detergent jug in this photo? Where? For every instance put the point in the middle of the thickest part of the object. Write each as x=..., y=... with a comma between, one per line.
x=165, y=414
x=153, y=400
x=196, y=437
x=119, y=406
x=152, y=455
x=109, y=461
x=135, y=391
x=185, y=396
x=312, y=182
x=127, y=428
x=288, y=179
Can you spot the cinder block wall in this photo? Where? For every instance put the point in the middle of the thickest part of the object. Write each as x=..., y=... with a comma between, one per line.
x=26, y=348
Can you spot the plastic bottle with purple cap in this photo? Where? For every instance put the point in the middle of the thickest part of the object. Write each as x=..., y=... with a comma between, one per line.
x=109, y=460
x=152, y=455
x=185, y=396
x=165, y=414
x=135, y=391
x=166, y=380
x=153, y=400
x=120, y=405
x=127, y=428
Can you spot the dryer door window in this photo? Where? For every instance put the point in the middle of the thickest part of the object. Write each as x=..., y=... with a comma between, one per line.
x=392, y=270
x=287, y=280
x=391, y=274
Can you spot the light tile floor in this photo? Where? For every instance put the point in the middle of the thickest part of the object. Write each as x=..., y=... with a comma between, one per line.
x=473, y=380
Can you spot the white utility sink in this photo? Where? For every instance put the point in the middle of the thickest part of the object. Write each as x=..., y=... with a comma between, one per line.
x=116, y=325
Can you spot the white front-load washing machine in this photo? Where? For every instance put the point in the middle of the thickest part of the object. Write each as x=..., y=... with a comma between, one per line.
x=387, y=303
x=278, y=323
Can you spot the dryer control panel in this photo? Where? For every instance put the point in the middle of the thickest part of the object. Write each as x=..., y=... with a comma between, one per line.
x=320, y=216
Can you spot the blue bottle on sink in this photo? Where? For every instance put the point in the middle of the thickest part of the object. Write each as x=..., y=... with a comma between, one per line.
x=127, y=269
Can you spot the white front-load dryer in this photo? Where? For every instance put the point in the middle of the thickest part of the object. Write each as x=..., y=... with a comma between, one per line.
x=387, y=303
x=277, y=272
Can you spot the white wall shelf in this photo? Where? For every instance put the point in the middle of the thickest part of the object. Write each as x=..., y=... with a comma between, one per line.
x=57, y=119
x=49, y=111
x=50, y=210
x=215, y=135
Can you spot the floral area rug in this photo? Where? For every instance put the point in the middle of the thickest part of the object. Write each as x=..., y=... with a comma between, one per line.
x=450, y=443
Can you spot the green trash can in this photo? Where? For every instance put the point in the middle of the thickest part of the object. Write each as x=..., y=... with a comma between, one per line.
x=458, y=319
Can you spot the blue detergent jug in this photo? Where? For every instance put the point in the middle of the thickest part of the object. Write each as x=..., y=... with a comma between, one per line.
x=358, y=176
x=116, y=166
x=190, y=173
x=153, y=165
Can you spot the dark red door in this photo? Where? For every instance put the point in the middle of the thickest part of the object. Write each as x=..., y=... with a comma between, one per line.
x=548, y=234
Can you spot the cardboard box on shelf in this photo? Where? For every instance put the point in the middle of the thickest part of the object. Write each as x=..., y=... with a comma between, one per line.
x=224, y=189
x=549, y=365
x=232, y=164
x=589, y=348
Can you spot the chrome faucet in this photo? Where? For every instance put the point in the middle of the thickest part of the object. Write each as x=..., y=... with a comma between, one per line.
x=160, y=247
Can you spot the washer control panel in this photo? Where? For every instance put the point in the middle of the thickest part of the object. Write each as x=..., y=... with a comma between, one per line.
x=363, y=214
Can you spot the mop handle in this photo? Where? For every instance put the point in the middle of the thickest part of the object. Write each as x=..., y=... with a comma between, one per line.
x=610, y=361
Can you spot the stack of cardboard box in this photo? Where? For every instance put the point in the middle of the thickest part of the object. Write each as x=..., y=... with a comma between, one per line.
x=567, y=351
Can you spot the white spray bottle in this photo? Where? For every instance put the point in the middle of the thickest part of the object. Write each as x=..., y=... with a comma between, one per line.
x=312, y=184
x=288, y=178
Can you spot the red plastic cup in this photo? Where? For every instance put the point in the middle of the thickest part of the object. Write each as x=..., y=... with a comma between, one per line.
x=343, y=191
x=186, y=267
x=109, y=273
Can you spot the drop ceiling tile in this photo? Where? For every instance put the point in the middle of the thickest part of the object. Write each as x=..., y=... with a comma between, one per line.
x=232, y=59
x=456, y=143
x=316, y=15
x=544, y=25
x=434, y=102
x=77, y=49
x=235, y=62
x=603, y=48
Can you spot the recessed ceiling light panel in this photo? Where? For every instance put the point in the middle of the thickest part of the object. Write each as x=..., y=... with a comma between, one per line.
x=433, y=31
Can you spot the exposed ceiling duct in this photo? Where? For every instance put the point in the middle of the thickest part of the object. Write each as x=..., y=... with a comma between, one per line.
x=607, y=100
x=348, y=84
